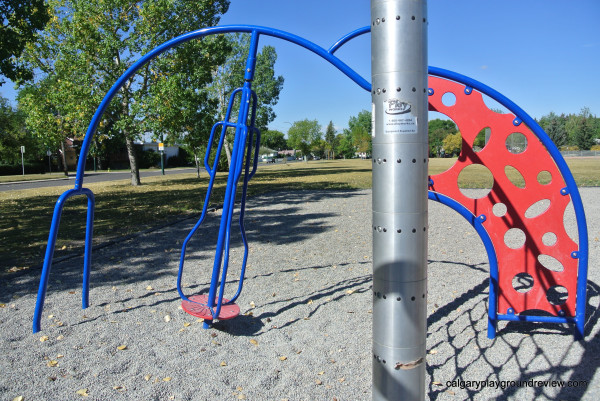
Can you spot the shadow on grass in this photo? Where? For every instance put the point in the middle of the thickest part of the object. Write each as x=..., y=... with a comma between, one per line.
x=122, y=209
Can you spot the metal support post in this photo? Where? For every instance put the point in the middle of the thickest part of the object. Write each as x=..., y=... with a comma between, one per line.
x=400, y=159
x=22, y=160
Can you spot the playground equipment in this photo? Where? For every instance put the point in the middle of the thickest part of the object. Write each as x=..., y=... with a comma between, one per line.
x=538, y=276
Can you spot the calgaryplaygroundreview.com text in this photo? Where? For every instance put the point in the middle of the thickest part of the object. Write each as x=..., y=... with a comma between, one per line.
x=503, y=384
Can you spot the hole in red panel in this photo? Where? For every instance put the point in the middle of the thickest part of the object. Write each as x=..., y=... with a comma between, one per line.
x=482, y=139
x=475, y=176
x=551, y=263
x=522, y=282
x=514, y=176
x=448, y=99
x=439, y=128
x=544, y=177
x=549, y=239
x=557, y=295
x=494, y=105
x=516, y=143
x=538, y=208
x=514, y=238
x=499, y=209
x=569, y=222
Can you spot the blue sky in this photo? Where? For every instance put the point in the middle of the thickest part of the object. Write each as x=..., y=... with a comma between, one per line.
x=542, y=54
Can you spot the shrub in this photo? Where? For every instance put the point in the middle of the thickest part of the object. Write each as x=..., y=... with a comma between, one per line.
x=148, y=158
x=181, y=160
x=32, y=167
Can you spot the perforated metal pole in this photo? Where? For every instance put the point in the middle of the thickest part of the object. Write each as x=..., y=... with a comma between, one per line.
x=400, y=156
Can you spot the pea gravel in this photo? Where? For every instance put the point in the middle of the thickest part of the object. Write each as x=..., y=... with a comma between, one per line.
x=305, y=328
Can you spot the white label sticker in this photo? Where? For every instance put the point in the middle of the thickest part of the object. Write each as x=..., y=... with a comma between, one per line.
x=373, y=120
x=398, y=118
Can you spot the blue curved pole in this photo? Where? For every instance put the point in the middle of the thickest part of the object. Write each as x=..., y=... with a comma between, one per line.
x=247, y=177
x=346, y=38
x=212, y=172
x=43, y=286
x=237, y=162
x=258, y=30
x=477, y=223
x=243, y=139
x=87, y=257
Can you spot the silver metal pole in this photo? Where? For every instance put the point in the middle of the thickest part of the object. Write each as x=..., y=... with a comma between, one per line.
x=400, y=158
x=22, y=160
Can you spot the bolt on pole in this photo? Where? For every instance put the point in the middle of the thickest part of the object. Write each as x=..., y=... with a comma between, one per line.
x=400, y=160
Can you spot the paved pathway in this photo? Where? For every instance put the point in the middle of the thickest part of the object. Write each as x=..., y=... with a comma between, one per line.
x=89, y=177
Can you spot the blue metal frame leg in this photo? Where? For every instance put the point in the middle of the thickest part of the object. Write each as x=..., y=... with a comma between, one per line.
x=58, y=208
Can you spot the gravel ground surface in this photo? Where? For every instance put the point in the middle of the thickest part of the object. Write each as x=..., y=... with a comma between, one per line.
x=305, y=328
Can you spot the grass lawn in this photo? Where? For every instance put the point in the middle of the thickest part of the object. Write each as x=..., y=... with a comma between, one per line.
x=32, y=177
x=122, y=209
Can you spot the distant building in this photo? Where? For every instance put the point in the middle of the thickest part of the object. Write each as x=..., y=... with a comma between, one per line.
x=170, y=151
x=287, y=152
x=71, y=153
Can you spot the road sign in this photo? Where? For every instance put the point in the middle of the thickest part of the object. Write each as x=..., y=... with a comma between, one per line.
x=161, y=146
x=22, y=149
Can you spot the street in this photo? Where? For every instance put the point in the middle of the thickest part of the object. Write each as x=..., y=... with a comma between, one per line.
x=89, y=178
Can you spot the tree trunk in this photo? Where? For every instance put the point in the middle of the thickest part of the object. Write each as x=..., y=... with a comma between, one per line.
x=64, y=158
x=135, y=171
x=227, y=151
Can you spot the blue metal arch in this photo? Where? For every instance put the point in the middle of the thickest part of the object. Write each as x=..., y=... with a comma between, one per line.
x=327, y=55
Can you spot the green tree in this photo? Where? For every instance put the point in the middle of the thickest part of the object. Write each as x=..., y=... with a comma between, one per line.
x=48, y=119
x=319, y=148
x=13, y=135
x=554, y=126
x=344, y=146
x=230, y=76
x=330, y=140
x=361, y=138
x=20, y=21
x=303, y=134
x=580, y=129
x=360, y=130
x=273, y=139
x=438, y=131
x=453, y=144
x=88, y=44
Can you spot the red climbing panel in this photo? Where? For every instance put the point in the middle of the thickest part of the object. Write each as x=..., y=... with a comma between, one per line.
x=524, y=220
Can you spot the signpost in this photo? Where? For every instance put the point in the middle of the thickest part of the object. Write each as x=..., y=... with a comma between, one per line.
x=22, y=162
x=49, y=154
x=161, y=148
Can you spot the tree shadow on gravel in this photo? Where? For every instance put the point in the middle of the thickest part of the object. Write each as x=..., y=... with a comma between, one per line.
x=457, y=320
x=250, y=325
x=155, y=253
